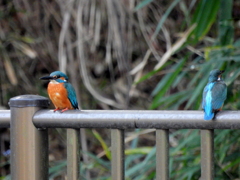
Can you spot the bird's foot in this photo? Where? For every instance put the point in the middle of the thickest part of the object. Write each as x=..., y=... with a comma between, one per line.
x=64, y=110
x=56, y=109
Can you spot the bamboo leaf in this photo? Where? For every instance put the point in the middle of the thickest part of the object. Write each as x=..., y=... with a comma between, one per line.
x=204, y=17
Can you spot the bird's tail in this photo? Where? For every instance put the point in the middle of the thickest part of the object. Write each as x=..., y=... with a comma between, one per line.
x=208, y=116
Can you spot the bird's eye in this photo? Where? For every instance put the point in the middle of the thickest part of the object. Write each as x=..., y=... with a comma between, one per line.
x=55, y=77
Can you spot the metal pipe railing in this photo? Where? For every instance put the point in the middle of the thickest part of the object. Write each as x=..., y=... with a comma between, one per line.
x=29, y=135
x=131, y=119
x=121, y=119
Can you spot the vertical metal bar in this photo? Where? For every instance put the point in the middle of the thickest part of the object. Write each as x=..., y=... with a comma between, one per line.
x=117, y=148
x=162, y=154
x=73, y=154
x=207, y=156
x=29, y=145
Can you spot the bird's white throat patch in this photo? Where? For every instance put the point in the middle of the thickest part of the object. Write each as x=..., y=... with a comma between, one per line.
x=54, y=82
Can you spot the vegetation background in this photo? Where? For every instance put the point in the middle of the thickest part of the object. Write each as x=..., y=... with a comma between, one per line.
x=125, y=54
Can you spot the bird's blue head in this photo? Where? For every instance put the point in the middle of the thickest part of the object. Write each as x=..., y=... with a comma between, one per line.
x=215, y=75
x=57, y=76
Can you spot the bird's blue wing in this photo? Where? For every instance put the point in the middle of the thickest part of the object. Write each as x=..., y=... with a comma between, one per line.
x=207, y=101
x=204, y=97
x=71, y=95
x=219, y=95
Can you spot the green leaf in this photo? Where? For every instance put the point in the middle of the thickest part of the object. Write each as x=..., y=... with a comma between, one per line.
x=231, y=164
x=204, y=16
x=142, y=4
x=131, y=158
x=164, y=17
x=174, y=99
x=57, y=169
x=198, y=90
x=151, y=73
x=98, y=160
x=103, y=144
x=142, y=150
x=144, y=165
x=166, y=82
x=233, y=76
x=187, y=140
x=225, y=27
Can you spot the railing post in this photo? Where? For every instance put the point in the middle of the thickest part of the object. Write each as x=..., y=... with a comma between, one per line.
x=73, y=154
x=29, y=145
x=117, y=149
x=207, y=155
x=162, y=154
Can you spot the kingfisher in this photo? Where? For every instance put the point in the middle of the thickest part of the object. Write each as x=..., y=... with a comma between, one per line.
x=61, y=92
x=214, y=94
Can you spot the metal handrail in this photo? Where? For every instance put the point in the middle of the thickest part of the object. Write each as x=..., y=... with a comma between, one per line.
x=129, y=119
x=29, y=123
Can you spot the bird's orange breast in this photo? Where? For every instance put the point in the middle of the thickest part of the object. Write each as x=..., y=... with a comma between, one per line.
x=59, y=96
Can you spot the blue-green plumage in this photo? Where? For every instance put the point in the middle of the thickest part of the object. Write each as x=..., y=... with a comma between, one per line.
x=71, y=95
x=59, y=74
x=214, y=94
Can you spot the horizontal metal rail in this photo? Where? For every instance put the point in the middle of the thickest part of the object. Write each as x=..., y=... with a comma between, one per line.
x=131, y=119
x=128, y=119
x=25, y=108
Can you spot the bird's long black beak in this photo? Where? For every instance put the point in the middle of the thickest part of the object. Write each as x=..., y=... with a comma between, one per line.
x=46, y=78
x=222, y=71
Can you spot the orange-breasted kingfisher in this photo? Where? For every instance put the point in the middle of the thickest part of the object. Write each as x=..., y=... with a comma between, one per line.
x=61, y=92
x=214, y=94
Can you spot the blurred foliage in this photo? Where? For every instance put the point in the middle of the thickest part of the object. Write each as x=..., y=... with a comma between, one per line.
x=140, y=54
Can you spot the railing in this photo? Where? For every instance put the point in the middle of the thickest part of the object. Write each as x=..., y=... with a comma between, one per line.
x=29, y=135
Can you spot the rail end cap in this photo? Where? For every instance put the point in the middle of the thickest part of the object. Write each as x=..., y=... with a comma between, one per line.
x=29, y=100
